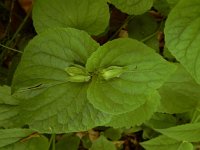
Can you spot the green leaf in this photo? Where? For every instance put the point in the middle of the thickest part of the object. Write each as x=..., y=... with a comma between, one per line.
x=187, y=132
x=180, y=93
x=10, y=136
x=89, y=15
x=133, y=7
x=144, y=28
x=8, y=107
x=138, y=116
x=87, y=143
x=49, y=102
x=68, y=142
x=144, y=70
x=160, y=121
x=195, y=115
x=183, y=35
x=162, y=6
x=35, y=143
x=102, y=144
x=172, y=3
x=113, y=134
x=161, y=143
x=186, y=146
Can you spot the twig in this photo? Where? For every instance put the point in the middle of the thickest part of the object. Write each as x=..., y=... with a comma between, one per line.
x=153, y=34
x=10, y=16
x=12, y=49
x=19, y=29
x=128, y=19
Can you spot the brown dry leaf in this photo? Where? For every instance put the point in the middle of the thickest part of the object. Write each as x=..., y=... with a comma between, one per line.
x=93, y=135
x=123, y=33
x=81, y=134
x=118, y=143
x=26, y=5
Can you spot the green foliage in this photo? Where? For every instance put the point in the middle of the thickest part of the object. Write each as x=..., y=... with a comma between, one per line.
x=161, y=121
x=138, y=116
x=139, y=76
x=89, y=15
x=180, y=93
x=10, y=136
x=165, y=143
x=102, y=144
x=68, y=142
x=113, y=134
x=186, y=132
x=8, y=107
x=162, y=6
x=35, y=143
x=144, y=28
x=182, y=35
x=75, y=76
x=133, y=7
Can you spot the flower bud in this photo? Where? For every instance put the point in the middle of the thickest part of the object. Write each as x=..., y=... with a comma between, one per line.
x=79, y=78
x=112, y=72
x=76, y=70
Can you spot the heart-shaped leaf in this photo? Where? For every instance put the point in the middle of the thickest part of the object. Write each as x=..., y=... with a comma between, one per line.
x=49, y=100
x=133, y=69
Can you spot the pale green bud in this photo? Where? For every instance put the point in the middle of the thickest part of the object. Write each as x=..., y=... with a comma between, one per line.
x=112, y=72
x=76, y=70
x=79, y=78
x=77, y=73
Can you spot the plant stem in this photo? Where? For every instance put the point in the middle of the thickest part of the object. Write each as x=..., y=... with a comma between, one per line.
x=149, y=37
x=19, y=29
x=129, y=18
x=52, y=142
x=10, y=48
x=153, y=34
x=7, y=45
